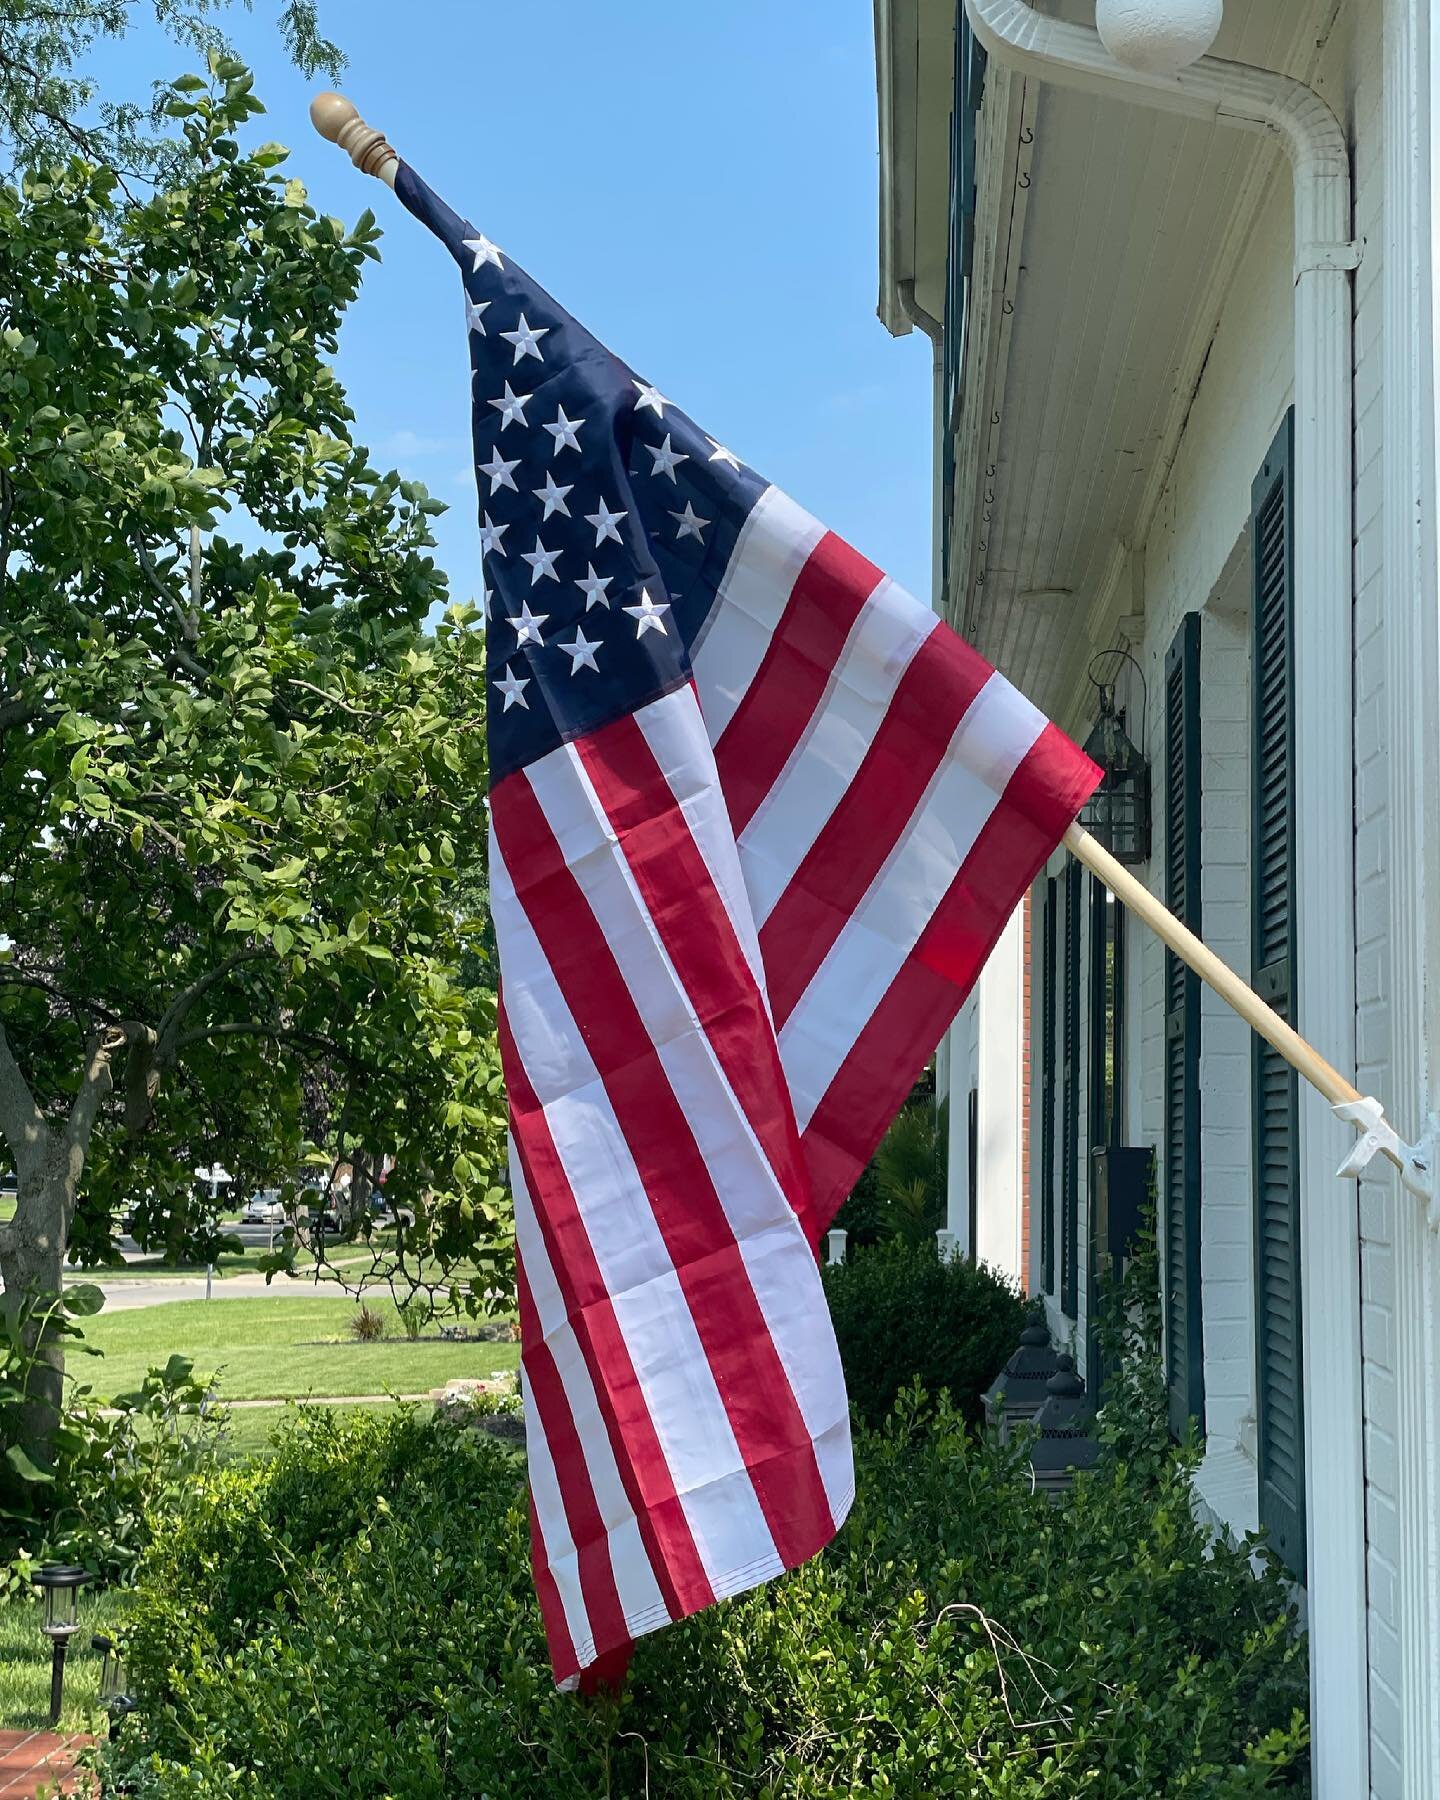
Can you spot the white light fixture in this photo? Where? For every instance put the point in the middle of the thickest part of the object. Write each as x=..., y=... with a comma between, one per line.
x=1160, y=37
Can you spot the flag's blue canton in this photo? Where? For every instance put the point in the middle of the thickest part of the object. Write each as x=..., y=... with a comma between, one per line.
x=607, y=518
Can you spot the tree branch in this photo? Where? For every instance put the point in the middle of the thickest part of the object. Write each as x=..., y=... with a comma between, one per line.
x=175, y=1014
x=21, y=1121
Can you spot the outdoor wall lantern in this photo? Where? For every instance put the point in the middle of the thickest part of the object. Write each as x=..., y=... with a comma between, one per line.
x=1064, y=1444
x=60, y=1585
x=1019, y=1391
x=1162, y=37
x=1118, y=812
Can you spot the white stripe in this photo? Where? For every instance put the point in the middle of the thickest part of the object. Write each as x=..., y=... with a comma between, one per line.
x=770, y=552
x=778, y=1259
x=650, y=1308
x=675, y=732
x=989, y=744
x=889, y=630
x=640, y=1597
x=554, y=1531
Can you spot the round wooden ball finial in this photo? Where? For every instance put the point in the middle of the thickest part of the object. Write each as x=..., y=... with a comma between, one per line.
x=330, y=113
x=335, y=118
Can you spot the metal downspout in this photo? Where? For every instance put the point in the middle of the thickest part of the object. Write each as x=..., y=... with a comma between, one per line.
x=1072, y=56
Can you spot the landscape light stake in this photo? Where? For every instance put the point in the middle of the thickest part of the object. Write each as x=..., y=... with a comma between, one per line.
x=60, y=1583
x=336, y=118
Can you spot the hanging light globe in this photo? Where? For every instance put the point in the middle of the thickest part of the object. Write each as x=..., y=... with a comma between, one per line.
x=1158, y=37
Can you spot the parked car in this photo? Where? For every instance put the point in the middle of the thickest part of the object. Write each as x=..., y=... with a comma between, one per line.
x=263, y=1209
x=325, y=1218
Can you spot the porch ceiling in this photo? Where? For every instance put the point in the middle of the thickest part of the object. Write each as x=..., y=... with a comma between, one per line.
x=1132, y=225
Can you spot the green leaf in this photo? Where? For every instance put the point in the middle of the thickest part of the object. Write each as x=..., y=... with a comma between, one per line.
x=25, y=1467
x=83, y=1300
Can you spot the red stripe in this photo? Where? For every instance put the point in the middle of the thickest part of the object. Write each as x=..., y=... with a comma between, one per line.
x=603, y=1611
x=1042, y=798
x=746, y=1367
x=699, y=937
x=563, y=1661
x=799, y=660
x=932, y=697
x=644, y=1472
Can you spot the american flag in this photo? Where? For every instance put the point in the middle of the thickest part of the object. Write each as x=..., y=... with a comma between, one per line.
x=757, y=819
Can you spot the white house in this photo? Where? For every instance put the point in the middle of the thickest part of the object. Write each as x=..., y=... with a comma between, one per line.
x=1186, y=416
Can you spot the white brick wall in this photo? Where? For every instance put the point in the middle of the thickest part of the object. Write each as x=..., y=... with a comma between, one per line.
x=1195, y=558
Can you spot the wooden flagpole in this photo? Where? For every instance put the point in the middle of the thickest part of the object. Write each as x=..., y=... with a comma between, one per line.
x=336, y=118
x=1216, y=974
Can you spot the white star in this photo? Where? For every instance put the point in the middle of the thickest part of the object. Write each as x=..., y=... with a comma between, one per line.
x=526, y=339
x=604, y=523
x=485, y=252
x=499, y=472
x=666, y=459
x=542, y=562
x=593, y=587
x=490, y=536
x=689, y=524
x=473, y=310
x=553, y=496
x=513, y=688
x=647, y=614
x=563, y=431
x=651, y=397
x=511, y=406
x=581, y=652
x=527, y=625
x=722, y=454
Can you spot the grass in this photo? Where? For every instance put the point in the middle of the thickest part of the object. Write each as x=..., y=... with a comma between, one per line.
x=251, y=1431
x=25, y=1665
x=276, y=1350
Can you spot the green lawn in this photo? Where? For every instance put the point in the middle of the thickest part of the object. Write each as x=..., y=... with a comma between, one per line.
x=277, y=1349
x=25, y=1665
x=251, y=1429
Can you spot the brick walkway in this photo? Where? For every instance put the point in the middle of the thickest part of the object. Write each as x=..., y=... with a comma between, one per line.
x=36, y=1761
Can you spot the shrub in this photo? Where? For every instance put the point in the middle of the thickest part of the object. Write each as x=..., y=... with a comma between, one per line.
x=115, y=1467
x=366, y=1325
x=412, y=1315
x=355, y=1618
x=901, y=1316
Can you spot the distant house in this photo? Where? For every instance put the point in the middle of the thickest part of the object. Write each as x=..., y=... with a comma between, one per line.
x=1185, y=414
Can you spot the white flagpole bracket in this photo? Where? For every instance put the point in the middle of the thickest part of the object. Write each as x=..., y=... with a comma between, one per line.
x=1378, y=1137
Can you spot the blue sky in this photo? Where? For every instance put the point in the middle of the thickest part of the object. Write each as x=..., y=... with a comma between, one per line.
x=694, y=179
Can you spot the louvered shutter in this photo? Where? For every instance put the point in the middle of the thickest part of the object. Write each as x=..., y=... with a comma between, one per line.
x=1047, y=1093
x=1070, y=1102
x=1184, y=1332
x=1280, y=1412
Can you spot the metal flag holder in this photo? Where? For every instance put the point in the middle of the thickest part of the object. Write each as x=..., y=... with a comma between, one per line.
x=336, y=119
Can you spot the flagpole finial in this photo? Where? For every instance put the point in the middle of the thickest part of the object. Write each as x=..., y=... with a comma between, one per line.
x=335, y=118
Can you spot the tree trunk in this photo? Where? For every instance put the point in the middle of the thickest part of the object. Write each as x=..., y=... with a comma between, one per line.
x=32, y=1266
x=48, y=1161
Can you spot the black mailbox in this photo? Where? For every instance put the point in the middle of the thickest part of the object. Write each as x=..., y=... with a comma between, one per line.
x=1123, y=1175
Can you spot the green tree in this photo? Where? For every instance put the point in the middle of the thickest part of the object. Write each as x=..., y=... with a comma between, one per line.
x=241, y=783
x=50, y=106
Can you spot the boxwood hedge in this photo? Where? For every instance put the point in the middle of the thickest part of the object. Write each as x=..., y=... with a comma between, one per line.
x=355, y=1617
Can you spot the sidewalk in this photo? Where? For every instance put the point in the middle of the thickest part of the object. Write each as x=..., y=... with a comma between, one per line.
x=32, y=1759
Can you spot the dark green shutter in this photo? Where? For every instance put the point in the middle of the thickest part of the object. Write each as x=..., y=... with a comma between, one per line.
x=1070, y=1103
x=1184, y=1331
x=1280, y=1411
x=1047, y=1094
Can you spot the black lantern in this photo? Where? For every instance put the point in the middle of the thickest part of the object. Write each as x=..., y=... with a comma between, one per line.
x=1117, y=814
x=60, y=1585
x=1018, y=1392
x=1064, y=1443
